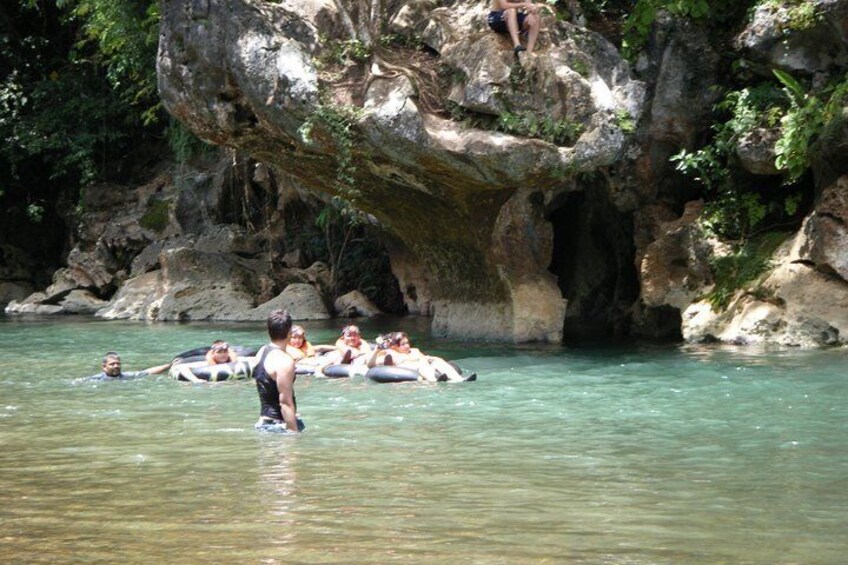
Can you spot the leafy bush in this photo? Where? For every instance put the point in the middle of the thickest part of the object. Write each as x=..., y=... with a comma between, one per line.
x=805, y=120
x=338, y=121
x=637, y=25
x=731, y=211
x=558, y=132
x=732, y=272
x=155, y=218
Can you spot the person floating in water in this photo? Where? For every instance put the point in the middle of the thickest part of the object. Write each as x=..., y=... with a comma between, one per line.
x=111, y=369
x=395, y=349
x=514, y=18
x=220, y=352
x=275, y=375
x=307, y=357
x=350, y=348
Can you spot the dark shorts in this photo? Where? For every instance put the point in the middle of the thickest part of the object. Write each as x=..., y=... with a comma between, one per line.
x=497, y=21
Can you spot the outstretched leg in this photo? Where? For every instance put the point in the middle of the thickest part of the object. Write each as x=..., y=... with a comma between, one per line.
x=445, y=368
x=426, y=371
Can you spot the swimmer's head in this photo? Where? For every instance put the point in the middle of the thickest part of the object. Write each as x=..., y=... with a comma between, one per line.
x=112, y=364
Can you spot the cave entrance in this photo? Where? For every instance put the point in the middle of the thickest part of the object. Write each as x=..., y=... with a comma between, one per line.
x=593, y=259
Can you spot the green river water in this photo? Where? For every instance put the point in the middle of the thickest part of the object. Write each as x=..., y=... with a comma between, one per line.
x=628, y=454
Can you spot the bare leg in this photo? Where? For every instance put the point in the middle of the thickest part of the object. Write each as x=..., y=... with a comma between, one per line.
x=512, y=25
x=532, y=23
x=426, y=371
x=445, y=368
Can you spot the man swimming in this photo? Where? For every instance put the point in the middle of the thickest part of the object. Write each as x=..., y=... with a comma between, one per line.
x=111, y=369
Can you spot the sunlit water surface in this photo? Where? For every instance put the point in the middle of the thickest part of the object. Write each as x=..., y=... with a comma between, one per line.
x=640, y=454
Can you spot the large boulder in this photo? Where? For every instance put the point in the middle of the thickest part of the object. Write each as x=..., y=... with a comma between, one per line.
x=246, y=74
x=804, y=36
x=192, y=285
x=674, y=268
x=755, y=150
x=823, y=239
x=354, y=304
x=303, y=301
x=802, y=300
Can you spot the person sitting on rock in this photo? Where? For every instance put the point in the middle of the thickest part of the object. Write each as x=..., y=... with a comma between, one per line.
x=350, y=348
x=220, y=352
x=514, y=18
x=396, y=349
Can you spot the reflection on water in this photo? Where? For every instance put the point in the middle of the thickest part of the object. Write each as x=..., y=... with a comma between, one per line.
x=641, y=454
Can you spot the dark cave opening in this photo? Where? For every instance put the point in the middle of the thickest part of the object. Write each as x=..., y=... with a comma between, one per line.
x=593, y=259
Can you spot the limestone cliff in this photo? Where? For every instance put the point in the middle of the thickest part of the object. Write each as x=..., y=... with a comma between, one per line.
x=470, y=206
x=527, y=198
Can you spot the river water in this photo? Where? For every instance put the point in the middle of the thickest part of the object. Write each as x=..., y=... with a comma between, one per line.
x=627, y=454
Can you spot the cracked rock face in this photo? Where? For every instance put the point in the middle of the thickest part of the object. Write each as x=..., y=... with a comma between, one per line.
x=248, y=74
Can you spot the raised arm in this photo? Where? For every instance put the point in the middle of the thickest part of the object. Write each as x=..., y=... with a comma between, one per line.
x=159, y=368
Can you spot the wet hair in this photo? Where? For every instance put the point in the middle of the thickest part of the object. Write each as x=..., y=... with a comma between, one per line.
x=279, y=325
x=395, y=338
x=351, y=329
x=110, y=355
x=220, y=345
x=298, y=331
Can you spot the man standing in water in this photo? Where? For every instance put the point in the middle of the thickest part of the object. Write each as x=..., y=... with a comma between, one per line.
x=111, y=369
x=274, y=375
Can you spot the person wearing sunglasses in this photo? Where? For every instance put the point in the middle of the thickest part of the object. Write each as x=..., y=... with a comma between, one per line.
x=220, y=352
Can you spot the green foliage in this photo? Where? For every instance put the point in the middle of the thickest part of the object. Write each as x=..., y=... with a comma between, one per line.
x=732, y=272
x=803, y=16
x=798, y=15
x=155, y=218
x=580, y=67
x=624, y=121
x=637, y=25
x=338, y=121
x=184, y=144
x=593, y=8
x=402, y=40
x=74, y=86
x=807, y=117
x=125, y=36
x=60, y=117
x=337, y=53
x=731, y=212
x=35, y=213
x=558, y=132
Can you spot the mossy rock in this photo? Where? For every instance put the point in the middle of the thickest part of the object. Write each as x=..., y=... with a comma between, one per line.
x=156, y=217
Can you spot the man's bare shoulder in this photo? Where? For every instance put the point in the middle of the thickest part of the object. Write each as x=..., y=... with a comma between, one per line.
x=278, y=359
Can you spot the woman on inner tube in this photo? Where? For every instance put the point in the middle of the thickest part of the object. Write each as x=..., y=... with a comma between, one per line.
x=395, y=349
x=304, y=352
x=219, y=353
